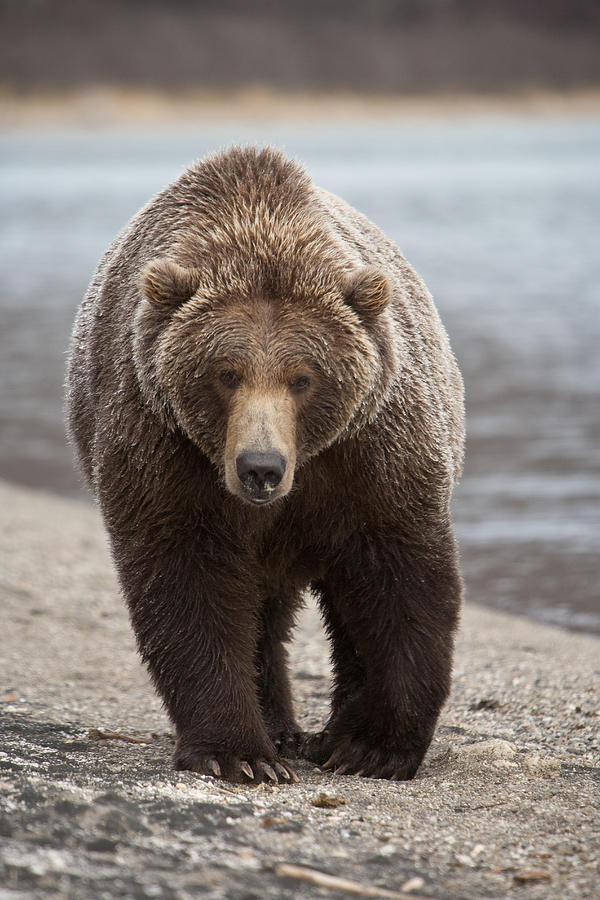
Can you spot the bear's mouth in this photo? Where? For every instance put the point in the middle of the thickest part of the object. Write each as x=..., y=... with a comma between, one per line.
x=259, y=498
x=261, y=501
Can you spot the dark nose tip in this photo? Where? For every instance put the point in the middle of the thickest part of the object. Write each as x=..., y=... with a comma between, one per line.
x=260, y=473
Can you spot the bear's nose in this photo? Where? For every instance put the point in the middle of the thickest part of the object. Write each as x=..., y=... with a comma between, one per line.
x=260, y=473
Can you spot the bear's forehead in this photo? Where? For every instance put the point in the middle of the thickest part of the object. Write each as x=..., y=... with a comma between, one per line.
x=267, y=324
x=266, y=314
x=261, y=334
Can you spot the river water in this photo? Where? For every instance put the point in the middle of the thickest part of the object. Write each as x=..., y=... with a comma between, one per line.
x=500, y=216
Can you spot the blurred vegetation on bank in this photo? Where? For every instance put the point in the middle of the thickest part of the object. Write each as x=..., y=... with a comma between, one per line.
x=380, y=46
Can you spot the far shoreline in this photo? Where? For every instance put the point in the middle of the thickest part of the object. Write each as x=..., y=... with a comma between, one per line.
x=116, y=106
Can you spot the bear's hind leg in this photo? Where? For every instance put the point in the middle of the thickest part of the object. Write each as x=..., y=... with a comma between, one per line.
x=348, y=676
x=274, y=689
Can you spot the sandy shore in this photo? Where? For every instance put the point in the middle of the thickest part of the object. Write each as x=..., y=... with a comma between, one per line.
x=117, y=106
x=507, y=800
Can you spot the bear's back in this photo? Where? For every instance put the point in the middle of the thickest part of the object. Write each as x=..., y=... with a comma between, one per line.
x=429, y=385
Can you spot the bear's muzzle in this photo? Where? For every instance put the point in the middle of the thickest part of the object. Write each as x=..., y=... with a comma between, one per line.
x=260, y=473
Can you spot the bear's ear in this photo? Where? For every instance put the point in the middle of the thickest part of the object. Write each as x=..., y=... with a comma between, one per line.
x=166, y=284
x=368, y=292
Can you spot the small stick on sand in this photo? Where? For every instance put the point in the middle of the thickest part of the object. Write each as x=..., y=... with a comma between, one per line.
x=96, y=735
x=302, y=873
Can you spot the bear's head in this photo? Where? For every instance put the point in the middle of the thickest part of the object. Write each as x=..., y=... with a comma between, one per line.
x=261, y=383
x=263, y=339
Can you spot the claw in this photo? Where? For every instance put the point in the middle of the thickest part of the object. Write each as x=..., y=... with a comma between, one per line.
x=329, y=764
x=247, y=769
x=282, y=771
x=269, y=772
x=213, y=766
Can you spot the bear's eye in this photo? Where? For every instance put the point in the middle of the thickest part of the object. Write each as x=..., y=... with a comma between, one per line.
x=229, y=379
x=300, y=384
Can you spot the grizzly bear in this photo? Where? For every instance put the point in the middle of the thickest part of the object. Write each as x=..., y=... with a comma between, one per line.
x=264, y=401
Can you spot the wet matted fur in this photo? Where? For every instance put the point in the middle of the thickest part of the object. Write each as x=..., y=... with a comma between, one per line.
x=263, y=399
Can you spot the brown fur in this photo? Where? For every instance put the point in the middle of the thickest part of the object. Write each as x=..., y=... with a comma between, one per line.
x=245, y=314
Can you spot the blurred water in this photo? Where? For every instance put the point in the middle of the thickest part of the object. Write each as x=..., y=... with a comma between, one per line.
x=499, y=216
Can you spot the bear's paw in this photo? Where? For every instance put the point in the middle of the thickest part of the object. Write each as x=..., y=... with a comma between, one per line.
x=235, y=768
x=287, y=743
x=351, y=755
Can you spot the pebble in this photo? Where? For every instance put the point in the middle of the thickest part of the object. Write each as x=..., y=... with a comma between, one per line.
x=544, y=766
x=413, y=884
x=525, y=875
x=495, y=748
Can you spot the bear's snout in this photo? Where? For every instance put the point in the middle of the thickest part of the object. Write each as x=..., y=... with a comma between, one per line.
x=260, y=473
x=260, y=449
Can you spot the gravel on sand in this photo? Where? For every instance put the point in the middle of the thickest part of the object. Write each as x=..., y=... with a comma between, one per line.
x=506, y=803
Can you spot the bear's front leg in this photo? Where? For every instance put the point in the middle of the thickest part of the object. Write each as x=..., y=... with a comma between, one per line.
x=398, y=605
x=195, y=616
